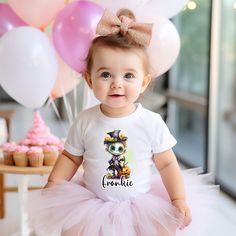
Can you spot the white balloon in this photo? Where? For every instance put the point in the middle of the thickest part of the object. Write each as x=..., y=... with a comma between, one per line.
x=164, y=46
x=28, y=66
x=116, y=5
x=167, y=8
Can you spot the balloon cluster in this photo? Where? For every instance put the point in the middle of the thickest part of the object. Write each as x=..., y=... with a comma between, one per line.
x=32, y=68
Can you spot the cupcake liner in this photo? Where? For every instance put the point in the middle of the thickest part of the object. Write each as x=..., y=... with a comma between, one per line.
x=20, y=159
x=8, y=159
x=50, y=158
x=35, y=159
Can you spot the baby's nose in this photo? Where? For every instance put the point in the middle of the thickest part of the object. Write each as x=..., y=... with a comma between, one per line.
x=117, y=83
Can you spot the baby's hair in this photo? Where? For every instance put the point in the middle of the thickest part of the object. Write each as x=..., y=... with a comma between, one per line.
x=119, y=42
x=127, y=13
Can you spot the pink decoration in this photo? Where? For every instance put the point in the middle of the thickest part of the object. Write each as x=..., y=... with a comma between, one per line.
x=25, y=142
x=39, y=134
x=8, y=19
x=21, y=149
x=50, y=148
x=8, y=147
x=73, y=31
x=60, y=146
x=35, y=150
x=67, y=79
x=37, y=13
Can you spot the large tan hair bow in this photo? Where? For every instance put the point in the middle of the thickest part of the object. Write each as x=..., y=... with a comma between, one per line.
x=110, y=24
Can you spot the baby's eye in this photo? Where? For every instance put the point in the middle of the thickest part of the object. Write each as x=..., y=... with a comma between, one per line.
x=129, y=76
x=106, y=75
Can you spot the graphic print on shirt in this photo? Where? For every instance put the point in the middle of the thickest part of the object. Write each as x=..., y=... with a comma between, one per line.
x=116, y=145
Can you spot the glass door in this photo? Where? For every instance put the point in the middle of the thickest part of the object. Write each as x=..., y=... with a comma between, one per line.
x=226, y=110
x=188, y=84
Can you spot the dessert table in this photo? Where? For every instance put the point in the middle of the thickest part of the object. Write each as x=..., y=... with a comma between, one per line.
x=22, y=176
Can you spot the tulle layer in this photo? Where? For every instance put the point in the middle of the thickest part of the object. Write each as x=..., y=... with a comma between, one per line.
x=69, y=209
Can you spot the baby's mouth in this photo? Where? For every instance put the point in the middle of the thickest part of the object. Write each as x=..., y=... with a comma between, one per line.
x=116, y=95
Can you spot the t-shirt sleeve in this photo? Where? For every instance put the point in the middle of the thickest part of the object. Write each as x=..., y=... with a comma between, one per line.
x=163, y=140
x=74, y=141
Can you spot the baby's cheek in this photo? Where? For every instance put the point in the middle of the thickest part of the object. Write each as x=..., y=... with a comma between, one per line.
x=99, y=89
x=102, y=85
x=134, y=92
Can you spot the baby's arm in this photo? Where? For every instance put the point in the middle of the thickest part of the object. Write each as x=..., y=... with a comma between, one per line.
x=169, y=170
x=65, y=168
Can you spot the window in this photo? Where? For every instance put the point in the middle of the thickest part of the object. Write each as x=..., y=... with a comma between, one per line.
x=188, y=84
x=226, y=133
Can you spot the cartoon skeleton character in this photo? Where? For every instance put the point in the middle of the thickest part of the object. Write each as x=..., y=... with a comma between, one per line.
x=116, y=144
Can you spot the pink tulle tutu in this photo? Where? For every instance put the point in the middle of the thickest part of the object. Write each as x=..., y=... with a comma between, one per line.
x=69, y=209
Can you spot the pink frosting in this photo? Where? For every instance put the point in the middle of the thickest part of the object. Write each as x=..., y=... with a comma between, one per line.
x=8, y=147
x=60, y=146
x=21, y=148
x=50, y=148
x=35, y=150
x=25, y=142
x=37, y=118
x=5, y=145
x=53, y=140
x=38, y=141
x=39, y=131
x=40, y=134
x=31, y=136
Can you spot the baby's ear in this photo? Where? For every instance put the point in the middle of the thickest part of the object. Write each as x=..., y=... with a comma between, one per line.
x=146, y=81
x=88, y=79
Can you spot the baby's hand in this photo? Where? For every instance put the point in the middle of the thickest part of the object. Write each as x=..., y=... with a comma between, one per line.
x=182, y=206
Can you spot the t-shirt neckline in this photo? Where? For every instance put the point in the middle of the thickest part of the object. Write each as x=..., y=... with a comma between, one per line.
x=126, y=118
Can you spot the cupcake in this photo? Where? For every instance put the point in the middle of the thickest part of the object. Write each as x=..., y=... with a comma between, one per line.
x=20, y=156
x=39, y=142
x=8, y=150
x=25, y=142
x=35, y=156
x=52, y=140
x=50, y=154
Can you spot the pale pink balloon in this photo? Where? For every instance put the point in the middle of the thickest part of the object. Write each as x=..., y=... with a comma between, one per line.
x=165, y=42
x=37, y=13
x=164, y=46
x=67, y=80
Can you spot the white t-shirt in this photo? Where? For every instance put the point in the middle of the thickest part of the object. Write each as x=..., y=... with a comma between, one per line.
x=118, y=152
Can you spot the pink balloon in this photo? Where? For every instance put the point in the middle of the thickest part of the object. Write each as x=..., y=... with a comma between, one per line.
x=37, y=13
x=73, y=31
x=8, y=19
x=67, y=79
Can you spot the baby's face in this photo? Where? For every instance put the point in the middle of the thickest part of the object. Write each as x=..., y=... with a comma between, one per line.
x=117, y=77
